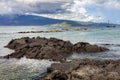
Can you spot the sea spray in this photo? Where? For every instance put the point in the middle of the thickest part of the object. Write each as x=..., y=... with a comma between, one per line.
x=22, y=69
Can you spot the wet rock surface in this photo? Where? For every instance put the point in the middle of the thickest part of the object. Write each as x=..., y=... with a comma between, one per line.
x=84, y=70
x=43, y=48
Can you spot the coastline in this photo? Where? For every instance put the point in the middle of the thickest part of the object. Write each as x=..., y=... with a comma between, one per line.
x=59, y=40
x=86, y=69
x=73, y=36
x=52, y=49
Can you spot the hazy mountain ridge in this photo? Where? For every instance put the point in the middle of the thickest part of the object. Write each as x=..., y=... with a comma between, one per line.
x=30, y=20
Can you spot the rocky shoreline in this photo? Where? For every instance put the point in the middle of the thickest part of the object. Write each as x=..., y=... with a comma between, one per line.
x=52, y=49
x=58, y=50
x=84, y=70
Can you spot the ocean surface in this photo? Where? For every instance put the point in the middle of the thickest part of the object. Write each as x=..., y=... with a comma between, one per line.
x=28, y=69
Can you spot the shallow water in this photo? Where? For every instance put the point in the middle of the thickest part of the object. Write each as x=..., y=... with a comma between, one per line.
x=23, y=69
x=26, y=69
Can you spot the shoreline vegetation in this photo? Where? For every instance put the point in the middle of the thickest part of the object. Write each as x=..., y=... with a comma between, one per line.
x=58, y=50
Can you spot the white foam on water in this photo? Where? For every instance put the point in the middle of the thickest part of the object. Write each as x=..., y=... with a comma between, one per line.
x=22, y=69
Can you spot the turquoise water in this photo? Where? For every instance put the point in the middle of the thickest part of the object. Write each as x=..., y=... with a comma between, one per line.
x=26, y=69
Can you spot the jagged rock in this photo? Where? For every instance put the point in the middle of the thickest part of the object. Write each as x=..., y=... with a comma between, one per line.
x=43, y=48
x=58, y=75
x=86, y=70
x=17, y=43
x=86, y=47
x=40, y=48
x=66, y=67
x=50, y=53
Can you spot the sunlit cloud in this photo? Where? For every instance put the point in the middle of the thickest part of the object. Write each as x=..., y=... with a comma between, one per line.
x=81, y=10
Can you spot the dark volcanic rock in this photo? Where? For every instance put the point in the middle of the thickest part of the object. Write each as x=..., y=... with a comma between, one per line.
x=18, y=43
x=86, y=47
x=58, y=75
x=40, y=48
x=66, y=67
x=43, y=48
x=85, y=70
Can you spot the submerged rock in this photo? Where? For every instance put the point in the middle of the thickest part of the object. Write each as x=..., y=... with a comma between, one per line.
x=53, y=30
x=43, y=48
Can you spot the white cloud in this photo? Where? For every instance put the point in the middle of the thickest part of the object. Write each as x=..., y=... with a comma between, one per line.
x=77, y=11
x=60, y=9
x=108, y=3
x=27, y=6
x=113, y=4
x=42, y=1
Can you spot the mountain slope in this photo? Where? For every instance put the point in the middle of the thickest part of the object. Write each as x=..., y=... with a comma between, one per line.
x=30, y=20
x=11, y=20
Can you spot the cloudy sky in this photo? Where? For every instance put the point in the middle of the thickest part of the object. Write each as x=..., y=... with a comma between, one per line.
x=80, y=10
